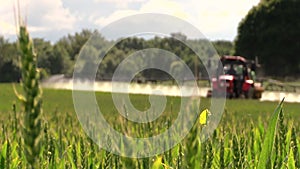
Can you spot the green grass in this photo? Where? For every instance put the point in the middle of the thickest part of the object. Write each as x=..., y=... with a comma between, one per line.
x=237, y=142
x=61, y=101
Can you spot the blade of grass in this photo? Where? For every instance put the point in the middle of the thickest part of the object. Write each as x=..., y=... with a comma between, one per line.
x=266, y=153
x=157, y=163
x=291, y=160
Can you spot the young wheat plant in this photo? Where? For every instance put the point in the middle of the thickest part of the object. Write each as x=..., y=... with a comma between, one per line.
x=31, y=98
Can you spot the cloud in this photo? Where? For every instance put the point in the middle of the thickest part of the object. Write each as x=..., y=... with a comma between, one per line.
x=165, y=7
x=40, y=16
x=216, y=19
x=120, y=3
x=219, y=17
x=50, y=15
x=7, y=18
x=6, y=28
x=153, y=6
x=102, y=21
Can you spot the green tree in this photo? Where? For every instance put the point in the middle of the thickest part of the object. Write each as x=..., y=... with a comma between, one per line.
x=270, y=31
x=73, y=43
x=177, y=69
x=110, y=62
x=60, y=61
x=9, y=68
x=45, y=51
x=54, y=59
x=224, y=47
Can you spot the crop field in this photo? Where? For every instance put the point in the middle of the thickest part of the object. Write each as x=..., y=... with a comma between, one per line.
x=43, y=127
x=245, y=138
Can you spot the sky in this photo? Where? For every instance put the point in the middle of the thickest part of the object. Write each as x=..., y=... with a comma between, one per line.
x=53, y=19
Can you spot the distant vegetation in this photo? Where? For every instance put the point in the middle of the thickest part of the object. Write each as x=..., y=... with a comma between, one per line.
x=59, y=58
x=271, y=31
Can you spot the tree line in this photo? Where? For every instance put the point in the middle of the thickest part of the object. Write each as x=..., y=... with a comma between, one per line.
x=269, y=32
x=60, y=57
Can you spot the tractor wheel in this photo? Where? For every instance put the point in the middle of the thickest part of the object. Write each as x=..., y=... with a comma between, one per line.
x=250, y=93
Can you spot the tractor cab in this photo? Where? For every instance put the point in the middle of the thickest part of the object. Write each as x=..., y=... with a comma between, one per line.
x=237, y=79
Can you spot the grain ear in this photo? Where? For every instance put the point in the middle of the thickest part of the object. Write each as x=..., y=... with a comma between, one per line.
x=31, y=98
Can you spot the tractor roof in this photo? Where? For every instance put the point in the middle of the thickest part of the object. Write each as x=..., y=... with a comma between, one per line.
x=234, y=58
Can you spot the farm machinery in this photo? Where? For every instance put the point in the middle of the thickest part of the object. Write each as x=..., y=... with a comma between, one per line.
x=238, y=79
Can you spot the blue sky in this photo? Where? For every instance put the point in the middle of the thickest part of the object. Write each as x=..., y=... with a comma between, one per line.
x=52, y=19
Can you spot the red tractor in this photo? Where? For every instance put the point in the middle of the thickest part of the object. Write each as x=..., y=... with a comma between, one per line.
x=238, y=79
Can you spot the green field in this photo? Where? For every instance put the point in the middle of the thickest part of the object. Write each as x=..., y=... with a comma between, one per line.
x=236, y=143
x=60, y=101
